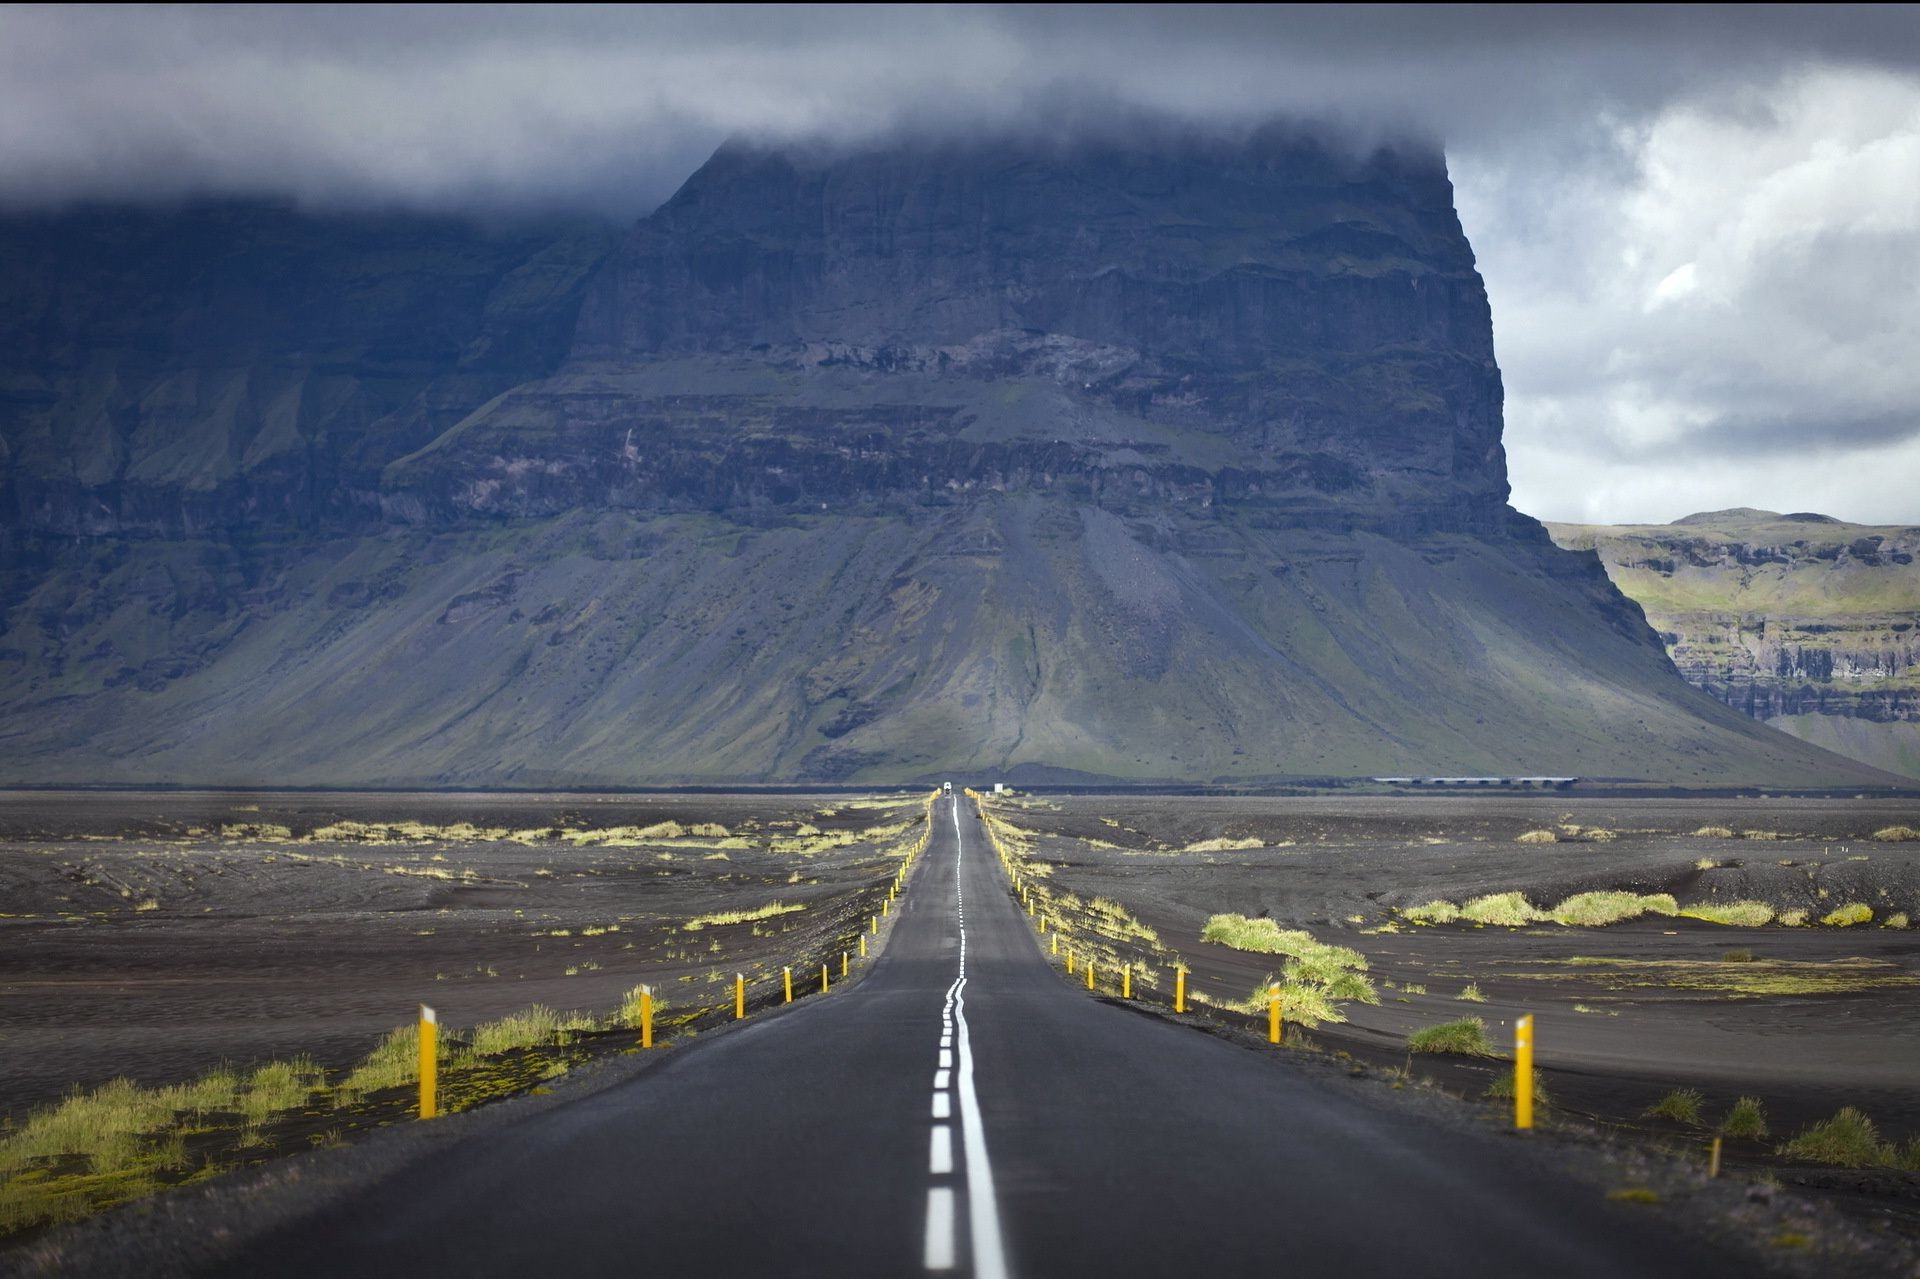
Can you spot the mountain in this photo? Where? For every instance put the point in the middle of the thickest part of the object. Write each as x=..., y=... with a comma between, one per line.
x=1173, y=458
x=1805, y=622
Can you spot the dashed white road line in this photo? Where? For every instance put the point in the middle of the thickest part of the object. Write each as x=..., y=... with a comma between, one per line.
x=988, y=1254
x=938, y=1253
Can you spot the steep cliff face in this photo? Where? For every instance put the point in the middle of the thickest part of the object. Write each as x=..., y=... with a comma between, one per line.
x=1173, y=460
x=1803, y=621
x=1266, y=323
x=243, y=366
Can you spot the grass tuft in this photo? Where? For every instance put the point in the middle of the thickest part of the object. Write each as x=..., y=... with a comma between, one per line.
x=1466, y=1037
x=1682, y=1105
x=1848, y=1140
x=1745, y=1118
x=1472, y=994
x=1509, y=910
x=1316, y=978
x=1537, y=837
x=1897, y=834
x=1896, y=920
x=1501, y=1089
x=1596, y=910
x=534, y=1027
x=1848, y=915
x=1713, y=832
x=1434, y=912
x=1741, y=914
x=767, y=911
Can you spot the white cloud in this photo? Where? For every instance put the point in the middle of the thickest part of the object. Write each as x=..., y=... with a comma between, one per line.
x=1730, y=322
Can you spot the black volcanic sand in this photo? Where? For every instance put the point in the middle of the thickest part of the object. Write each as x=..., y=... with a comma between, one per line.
x=1339, y=867
x=261, y=945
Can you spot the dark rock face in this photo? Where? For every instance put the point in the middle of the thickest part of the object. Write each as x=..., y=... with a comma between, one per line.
x=1316, y=317
x=244, y=366
x=1800, y=620
x=1177, y=459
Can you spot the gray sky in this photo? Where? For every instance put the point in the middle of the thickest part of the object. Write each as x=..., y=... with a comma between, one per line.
x=1699, y=226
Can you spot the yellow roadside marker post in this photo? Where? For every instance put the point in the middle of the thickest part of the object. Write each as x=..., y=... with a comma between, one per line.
x=787, y=975
x=875, y=929
x=739, y=996
x=1126, y=982
x=845, y=959
x=1523, y=1071
x=863, y=945
x=1713, y=1160
x=646, y=1016
x=1179, y=990
x=1089, y=974
x=823, y=979
x=1069, y=963
x=429, y=1062
x=1043, y=923
x=1273, y=1014
x=1054, y=948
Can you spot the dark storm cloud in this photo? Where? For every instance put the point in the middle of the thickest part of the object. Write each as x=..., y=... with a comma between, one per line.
x=457, y=105
x=1696, y=223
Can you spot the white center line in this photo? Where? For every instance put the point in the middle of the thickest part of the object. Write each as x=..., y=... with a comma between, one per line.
x=939, y=1248
x=941, y=1078
x=942, y=1105
x=940, y=1151
x=983, y=1208
x=946, y=1058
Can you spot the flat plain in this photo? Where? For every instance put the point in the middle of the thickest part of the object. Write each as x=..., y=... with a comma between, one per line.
x=153, y=936
x=1804, y=1016
x=169, y=938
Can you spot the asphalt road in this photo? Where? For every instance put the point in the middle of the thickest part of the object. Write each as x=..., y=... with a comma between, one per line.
x=965, y=1110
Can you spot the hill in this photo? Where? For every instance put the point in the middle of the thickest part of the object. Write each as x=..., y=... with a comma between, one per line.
x=1175, y=458
x=1800, y=620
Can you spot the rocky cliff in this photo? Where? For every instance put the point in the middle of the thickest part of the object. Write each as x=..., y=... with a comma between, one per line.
x=1170, y=459
x=1803, y=621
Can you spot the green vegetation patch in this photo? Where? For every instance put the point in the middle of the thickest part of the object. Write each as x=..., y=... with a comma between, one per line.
x=1746, y=1118
x=1741, y=914
x=1848, y=1140
x=1316, y=979
x=1897, y=834
x=1466, y=1037
x=1743, y=979
x=1511, y=910
x=1682, y=1106
x=1596, y=910
x=1433, y=912
x=1501, y=1089
x=768, y=911
x=1848, y=915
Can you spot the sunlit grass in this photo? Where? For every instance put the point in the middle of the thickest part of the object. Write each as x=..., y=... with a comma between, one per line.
x=1509, y=910
x=768, y=911
x=1740, y=914
x=1466, y=1037
x=1596, y=910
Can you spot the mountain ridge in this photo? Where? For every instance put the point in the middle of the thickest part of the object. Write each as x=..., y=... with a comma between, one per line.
x=1194, y=475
